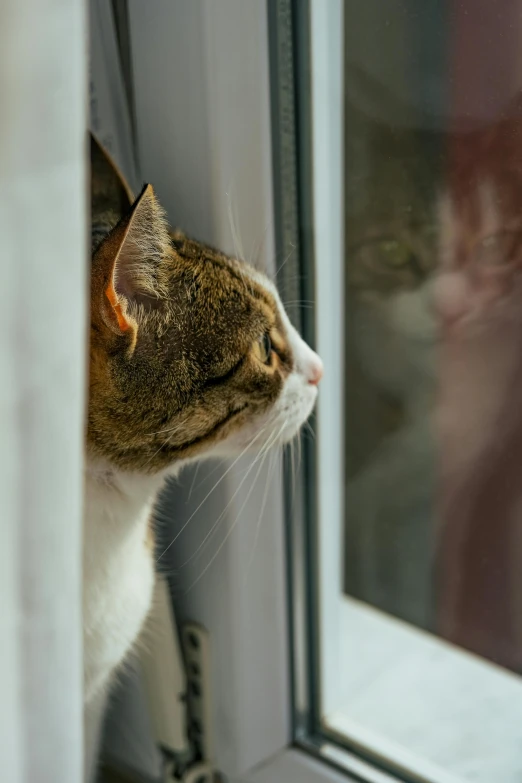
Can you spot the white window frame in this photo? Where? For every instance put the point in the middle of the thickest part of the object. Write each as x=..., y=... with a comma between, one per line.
x=197, y=67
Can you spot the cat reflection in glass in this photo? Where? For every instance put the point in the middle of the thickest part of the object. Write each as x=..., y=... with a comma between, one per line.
x=434, y=371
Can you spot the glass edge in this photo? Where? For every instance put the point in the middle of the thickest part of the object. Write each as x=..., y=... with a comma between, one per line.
x=307, y=562
x=350, y=758
x=290, y=91
x=293, y=256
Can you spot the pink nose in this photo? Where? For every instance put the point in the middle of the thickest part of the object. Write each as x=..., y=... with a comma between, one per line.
x=451, y=296
x=315, y=372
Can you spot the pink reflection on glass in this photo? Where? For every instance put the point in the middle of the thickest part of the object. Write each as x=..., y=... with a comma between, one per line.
x=478, y=420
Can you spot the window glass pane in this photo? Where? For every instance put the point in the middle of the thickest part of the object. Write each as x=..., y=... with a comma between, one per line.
x=421, y=655
x=433, y=242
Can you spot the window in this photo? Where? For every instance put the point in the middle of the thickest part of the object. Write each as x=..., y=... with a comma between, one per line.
x=412, y=552
x=363, y=612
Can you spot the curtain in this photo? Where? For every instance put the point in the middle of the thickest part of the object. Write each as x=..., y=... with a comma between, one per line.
x=42, y=377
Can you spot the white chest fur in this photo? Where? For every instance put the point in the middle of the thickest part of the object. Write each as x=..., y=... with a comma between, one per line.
x=118, y=571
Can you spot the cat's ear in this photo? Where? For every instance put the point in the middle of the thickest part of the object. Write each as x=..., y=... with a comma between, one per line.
x=132, y=259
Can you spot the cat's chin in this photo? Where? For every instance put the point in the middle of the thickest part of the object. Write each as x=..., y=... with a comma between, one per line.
x=273, y=429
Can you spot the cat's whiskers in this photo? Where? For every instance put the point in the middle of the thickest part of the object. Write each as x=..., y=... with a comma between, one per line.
x=218, y=482
x=238, y=247
x=210, y=473
x=292, y=462
x=295, y=465
x=193, y=480
x=310, y=429
x=162, y=446
x=299, y=450
x=255, y=258
x=155, y=454
x=299, y=303
x=213, y=472
x=261, y=511
x=264, y=448
x=171, y=430
x=285, y=261
x=233, y=526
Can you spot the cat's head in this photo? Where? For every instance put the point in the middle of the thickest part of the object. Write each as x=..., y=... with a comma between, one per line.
x=432, y=229
x=480, y=216
x=391, y=236
x=191, y=351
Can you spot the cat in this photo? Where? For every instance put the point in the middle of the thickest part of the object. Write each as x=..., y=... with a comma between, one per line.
x=478, y=422
x=191, y=356
x=392, y=335
x=434, y=336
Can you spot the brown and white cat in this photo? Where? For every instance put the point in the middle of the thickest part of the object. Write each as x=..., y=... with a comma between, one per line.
x=191, y=356
x=392, y=340
x=434, y=347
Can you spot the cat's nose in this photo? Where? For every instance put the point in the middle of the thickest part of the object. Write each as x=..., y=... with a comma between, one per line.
x=315, y=370
x=451, y=295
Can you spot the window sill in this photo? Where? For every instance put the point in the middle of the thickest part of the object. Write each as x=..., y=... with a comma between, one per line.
x=295, y=766
x=428, y=705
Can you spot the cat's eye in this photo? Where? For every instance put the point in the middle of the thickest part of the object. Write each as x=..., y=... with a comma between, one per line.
x=498, y=250
x=266, y=348
x=396, y=254
x=263, y=348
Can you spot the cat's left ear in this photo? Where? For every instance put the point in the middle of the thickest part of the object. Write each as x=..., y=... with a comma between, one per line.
x=132, y=258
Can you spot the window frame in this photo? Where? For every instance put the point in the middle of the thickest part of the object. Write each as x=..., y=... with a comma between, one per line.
x=288, y=164
x=259, y=666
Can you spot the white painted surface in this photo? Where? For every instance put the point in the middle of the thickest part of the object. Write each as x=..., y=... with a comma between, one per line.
x=164, y=673
x=203, y=124
x=327, y=132
x=294, y=766
x=430, y=706
x=43, y=253
x=434, y=709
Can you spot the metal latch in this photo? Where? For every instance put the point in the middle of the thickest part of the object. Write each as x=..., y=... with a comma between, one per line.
x=177, y=679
